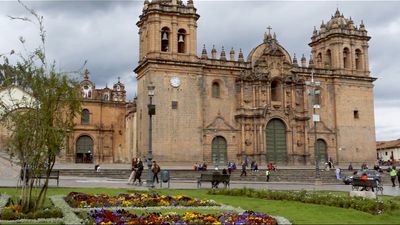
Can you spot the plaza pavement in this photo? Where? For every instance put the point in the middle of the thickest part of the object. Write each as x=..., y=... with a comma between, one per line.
x=9, y=173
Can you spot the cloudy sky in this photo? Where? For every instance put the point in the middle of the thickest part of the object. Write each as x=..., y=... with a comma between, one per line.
x=105, y=34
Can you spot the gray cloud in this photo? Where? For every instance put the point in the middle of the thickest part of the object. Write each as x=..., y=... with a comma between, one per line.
x=105, y=34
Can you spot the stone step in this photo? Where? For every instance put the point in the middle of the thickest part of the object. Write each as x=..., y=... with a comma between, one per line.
x=283, y=175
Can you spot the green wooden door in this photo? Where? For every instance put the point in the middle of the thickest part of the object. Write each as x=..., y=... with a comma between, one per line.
x=84, y=149
x=219, y=151
x=276, y=142
x=321, y=152
x=84, y=145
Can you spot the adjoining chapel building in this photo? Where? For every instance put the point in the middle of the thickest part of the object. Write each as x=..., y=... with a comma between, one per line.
x=104, y=131
x=225, y=107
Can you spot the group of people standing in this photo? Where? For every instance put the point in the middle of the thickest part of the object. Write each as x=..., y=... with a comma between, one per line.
x=200, y=166
x=254, y=167
x=137, y=169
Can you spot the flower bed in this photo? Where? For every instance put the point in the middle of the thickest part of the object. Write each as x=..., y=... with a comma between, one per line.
x=125, y=217
x=82, y=200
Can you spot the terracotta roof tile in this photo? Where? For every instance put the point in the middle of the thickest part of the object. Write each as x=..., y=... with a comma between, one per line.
x=388, y=144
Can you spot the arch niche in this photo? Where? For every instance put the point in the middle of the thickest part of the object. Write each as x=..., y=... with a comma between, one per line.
x=84, y=149
x=275, y=133
x=219, y=151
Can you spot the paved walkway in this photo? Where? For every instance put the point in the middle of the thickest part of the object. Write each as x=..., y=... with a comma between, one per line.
x=9, y=178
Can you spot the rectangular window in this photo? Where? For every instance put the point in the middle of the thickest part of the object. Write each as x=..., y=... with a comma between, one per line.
x=356, y=115
x=174, y=105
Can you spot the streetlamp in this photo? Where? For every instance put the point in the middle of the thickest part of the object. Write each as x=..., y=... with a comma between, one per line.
x=152, y=111
x=315, y=93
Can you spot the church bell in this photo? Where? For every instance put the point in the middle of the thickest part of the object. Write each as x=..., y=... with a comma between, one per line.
x=180, y=38
x=164, y=36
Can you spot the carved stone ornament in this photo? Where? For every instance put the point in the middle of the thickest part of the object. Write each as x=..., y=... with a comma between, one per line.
x=258, y=74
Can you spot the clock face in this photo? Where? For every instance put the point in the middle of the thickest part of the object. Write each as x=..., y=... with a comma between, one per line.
x=175, y=82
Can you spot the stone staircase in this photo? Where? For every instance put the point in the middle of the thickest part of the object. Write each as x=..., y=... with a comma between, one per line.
x=282, y=175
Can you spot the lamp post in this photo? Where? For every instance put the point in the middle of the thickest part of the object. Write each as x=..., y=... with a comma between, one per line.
x=315, y=92
x=152, y=111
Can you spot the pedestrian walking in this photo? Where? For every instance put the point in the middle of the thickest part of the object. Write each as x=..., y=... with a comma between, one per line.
x=338, y=173
x=398, y=176
x=267, y=172
x=393, y=174
x=155, y=168
x=133, y=170
x=332, y=165
x=139, y=171
x=350, y=168
x=244, y=173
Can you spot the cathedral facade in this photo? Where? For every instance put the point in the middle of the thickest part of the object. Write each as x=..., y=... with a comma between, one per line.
x=268, y=107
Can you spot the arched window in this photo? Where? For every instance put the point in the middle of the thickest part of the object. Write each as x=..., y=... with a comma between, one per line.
x=181, y=41
x=87, y=91
x=319, y=60
x=346, y=58
x=215, y=90
x=358, y=59
x=165, y=39
x=276, y=91
x=85, y=116
x=106, y=96
x=328, y=60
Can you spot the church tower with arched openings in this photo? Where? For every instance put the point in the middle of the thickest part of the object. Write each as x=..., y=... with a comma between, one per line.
x=340, y=55
x=341, y=46
x=167, y=30
x=168, y=62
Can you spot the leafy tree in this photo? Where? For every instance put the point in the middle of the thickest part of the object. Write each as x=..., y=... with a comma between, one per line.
x=39, y=124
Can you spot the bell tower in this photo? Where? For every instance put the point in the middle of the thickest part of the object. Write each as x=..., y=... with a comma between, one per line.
x=340, y=51
x=168, y=30
x=341, y=46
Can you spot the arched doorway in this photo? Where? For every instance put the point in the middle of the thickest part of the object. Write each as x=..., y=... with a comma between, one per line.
x=321, y=151
x=219, y=151
x=84, y=149
x=276, y=142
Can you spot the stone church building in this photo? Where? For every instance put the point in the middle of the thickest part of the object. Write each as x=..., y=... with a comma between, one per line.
x=104, y=130
x=268, y=107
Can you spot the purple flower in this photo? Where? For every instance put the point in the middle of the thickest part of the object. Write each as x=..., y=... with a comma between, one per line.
x=241, y=222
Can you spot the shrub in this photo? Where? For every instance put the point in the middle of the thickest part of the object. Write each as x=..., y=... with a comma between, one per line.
x=9, y=213
x=372, y=206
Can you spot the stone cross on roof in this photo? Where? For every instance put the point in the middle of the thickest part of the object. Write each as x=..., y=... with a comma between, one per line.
x=269, y=29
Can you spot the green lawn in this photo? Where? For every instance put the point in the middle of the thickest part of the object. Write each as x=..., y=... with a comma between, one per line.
x=298, y=213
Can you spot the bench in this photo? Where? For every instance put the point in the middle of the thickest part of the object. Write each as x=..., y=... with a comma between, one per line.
x=54, y=174
x=358, y=184
x=215, y=179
